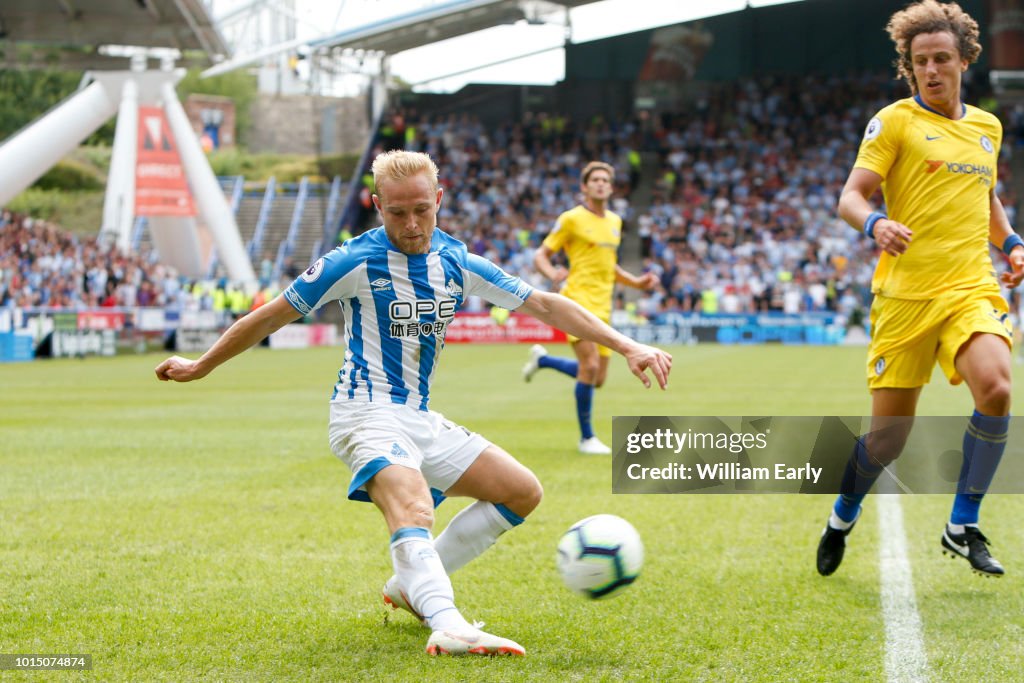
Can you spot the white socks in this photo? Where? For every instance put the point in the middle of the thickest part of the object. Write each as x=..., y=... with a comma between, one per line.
x=422, y=565
x=469, y=534
x=836, y=522
x=421, y=574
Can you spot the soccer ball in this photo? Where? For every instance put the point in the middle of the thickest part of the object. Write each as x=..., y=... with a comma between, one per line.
x=599, y=556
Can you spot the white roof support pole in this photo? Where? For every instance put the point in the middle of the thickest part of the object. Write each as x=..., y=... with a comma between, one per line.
x=210, y=200
x=379, y=91
x=33, y=151
x=119, y=202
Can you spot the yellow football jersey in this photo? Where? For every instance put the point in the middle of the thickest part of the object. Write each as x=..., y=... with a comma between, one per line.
x=591, y=243
x=937, y=174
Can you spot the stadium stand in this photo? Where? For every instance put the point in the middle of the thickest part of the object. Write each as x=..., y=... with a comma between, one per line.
x=740, y=215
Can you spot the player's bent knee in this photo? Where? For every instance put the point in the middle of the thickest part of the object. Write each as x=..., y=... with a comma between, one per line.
x=588, y=373
x=526, y=496
x=994, y=397
x=886, y=448
x=533, y=494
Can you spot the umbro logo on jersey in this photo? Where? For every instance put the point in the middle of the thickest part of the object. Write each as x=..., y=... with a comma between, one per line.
x=398, y=452
x=381, y=284
x=453, y=288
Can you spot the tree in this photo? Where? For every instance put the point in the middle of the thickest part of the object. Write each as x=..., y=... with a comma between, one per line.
x=27, y=95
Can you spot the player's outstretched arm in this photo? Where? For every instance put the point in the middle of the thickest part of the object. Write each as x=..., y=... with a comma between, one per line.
x=567, y=315
x=239, y=337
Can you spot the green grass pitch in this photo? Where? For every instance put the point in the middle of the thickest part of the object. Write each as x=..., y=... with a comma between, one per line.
x=201, y=532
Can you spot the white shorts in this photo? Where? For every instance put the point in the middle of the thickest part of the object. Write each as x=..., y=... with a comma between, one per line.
x=370, y=436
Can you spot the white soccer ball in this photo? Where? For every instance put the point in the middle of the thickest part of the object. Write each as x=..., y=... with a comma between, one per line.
x=600, y=556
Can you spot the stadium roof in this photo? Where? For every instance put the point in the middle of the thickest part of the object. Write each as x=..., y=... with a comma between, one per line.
x=440, y=22
x=180, y=24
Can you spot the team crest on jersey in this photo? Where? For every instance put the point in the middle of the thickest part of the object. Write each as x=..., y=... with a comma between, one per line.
x=874, y=129
x=986, y=144
x=1001, y=318
x=313, y=273
x=381, y=284
x=879, y=366
x=453, y=288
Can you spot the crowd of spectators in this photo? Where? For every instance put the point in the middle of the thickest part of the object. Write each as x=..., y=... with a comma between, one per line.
x=42, y=266
x=742, y=217
x=743, y=212
x=505, y=186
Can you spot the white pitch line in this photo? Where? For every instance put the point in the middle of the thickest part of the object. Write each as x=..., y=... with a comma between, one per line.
x=905, y=660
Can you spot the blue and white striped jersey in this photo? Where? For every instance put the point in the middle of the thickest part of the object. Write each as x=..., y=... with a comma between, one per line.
x=397, y=309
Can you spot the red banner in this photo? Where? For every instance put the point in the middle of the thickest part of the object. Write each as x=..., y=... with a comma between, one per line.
x=481, y=327
x=160, y=185
x=101, y=320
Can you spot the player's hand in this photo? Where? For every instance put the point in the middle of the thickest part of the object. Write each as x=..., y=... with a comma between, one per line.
x=649, y=281
x=892, y=236
x=642, y=357
x=1012, y=278
x=558, y=276
x=179, y=369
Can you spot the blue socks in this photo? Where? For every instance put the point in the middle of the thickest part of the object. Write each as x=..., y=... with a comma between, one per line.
x=858, y=478
x=584, y=392
x=983, y=446
x=566, y=366
x=584, y=399
x=984, y=443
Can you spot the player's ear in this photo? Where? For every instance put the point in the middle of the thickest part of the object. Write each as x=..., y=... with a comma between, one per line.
x=440, y=193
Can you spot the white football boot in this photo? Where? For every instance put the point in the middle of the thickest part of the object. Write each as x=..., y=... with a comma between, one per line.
x=394, y=597
x=533, y=364
x=593, y=446
x=471, y=642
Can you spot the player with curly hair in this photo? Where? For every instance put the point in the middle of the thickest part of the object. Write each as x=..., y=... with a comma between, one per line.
x=936, y=294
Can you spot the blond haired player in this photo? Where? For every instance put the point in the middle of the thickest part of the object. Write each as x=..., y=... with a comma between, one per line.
x=589, y=235
x=400, y=286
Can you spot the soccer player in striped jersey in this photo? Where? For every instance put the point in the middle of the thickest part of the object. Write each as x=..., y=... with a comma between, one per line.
x=936, y=293
x=400, y=286
x=590, y=235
